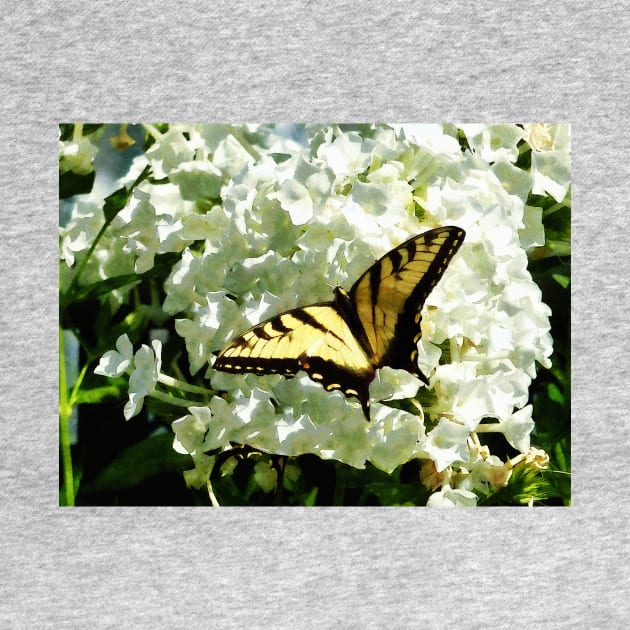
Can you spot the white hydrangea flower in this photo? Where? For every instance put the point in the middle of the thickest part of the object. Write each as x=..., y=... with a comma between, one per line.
x=282, y=232
x=469, y=300
x=161, y=218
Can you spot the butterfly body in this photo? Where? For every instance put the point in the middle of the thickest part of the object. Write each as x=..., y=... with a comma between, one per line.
x=342, y=343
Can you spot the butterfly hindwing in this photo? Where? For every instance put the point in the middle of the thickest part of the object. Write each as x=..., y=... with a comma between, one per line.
x=340, y=344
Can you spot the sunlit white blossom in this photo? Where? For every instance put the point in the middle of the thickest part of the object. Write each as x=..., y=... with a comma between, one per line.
x=262, y=223
x=551, y=159
x=449, y=497
x=447, y=443
x=518, y=427
x=116, y=362
x=142, y=381
x=494, y=142
x=84, y=224
x=77, y=155
x=391, y=384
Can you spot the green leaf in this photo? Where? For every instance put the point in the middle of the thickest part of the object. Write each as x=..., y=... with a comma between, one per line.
x=118, y=199
x=555, y=394
x=75, y=184
x=106, y=286
x=561, y=279
x=67, y=129
x=227, y=491
x=115, y=203
x=387, y=489
x=150, y=457
x=311, y=497
x=559, y=247
x=393, y=493
x=278, y=158
x=558, y=229
x=97, y=395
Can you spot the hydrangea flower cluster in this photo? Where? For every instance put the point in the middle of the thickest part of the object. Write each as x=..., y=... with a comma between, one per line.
x=263, y=223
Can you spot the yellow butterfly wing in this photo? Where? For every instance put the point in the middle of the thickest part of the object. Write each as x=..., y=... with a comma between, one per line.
x=340, y=344
x=316, y=339
x=389, y=296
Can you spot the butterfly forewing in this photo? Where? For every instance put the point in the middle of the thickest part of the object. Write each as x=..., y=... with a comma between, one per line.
x=388, y=297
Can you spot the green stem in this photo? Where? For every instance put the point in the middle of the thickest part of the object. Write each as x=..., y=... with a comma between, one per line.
x=246, y=145
x=77, y=275
x=186, y=387
x=66, y=405
x=153, y=131
x=65, y=410
x=172, y=400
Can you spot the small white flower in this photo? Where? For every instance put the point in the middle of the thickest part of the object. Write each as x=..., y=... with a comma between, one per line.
x=551, y=159
x=142, y=381
x=432, y=138
x=394, y=437
x=348, y=154
x=449, y=497
x=428, y=356
x=515, y=180
x=116, y=362
x=295, y=435
x=391, y=384
x=230, y=156
x=551, y=174
x=534, y=233
x=85, y=223
x=209, y=328
x=169, y=151
x=447, y=443
x=494, y=142
x=77, y=156
x=295, y=199
x=190, y=430
x=518, y=427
